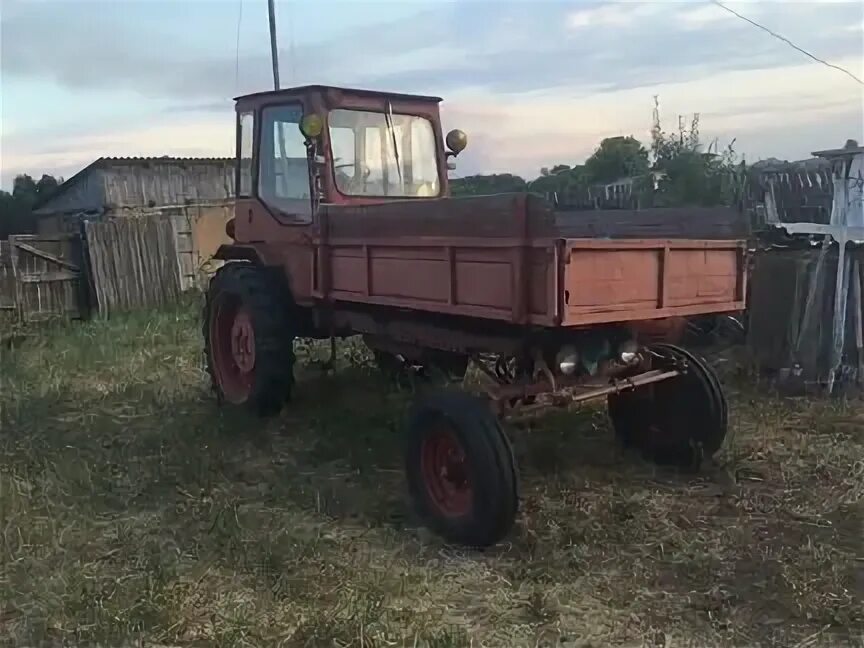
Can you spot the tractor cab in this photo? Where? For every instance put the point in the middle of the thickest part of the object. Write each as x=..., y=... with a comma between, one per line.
x=300, y=147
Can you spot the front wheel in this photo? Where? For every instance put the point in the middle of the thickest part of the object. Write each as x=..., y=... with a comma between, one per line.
x=460, y=469
x=248, y=339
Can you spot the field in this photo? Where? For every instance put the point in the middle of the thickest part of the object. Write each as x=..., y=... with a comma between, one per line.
x=137, y=513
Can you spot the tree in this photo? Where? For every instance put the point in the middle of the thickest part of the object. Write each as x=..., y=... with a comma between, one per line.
x=560, y=179
x=478, y=185
x=688, y=174
x=617, y=157
x=47, y=186
x=16, y=207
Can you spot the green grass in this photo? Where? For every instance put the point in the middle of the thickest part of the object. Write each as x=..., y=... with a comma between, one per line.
x=136, y=512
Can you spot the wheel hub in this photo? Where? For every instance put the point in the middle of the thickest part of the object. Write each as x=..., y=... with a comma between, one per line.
x=446, y=473
x=243, y=342
x=232, y=341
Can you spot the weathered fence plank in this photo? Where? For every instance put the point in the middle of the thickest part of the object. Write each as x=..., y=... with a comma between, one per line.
x=7, y=279
x=41, y=277
x=134, y=263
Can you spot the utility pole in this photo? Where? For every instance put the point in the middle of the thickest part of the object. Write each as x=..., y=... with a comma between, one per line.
x=274, y=52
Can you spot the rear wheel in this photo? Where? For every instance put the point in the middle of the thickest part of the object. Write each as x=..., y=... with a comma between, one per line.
x=677, y=422
x=460, y=468
x=248, y=338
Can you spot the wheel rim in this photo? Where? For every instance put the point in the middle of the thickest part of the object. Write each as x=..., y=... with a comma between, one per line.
x=446, y=472
x=232, y=341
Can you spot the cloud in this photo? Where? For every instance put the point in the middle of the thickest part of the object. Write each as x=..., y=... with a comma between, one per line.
x=524, y=134
x=225, y=107
x=604, y=15
x=190, y=137
x=508, y=48
x=702, y=16
x=58, y=45
x=534, y=82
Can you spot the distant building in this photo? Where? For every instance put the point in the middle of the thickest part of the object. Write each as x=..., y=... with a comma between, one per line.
x=196, y=193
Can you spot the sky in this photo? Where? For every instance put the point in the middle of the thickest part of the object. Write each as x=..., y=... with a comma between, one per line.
x=534, y=83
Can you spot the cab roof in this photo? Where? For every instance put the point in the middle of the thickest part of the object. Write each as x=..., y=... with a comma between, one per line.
x=306, y=89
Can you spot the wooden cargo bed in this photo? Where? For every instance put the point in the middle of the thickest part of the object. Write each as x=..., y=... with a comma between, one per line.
x=511, y=258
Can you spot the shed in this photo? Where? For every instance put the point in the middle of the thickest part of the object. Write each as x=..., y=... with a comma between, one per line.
x=197, y=194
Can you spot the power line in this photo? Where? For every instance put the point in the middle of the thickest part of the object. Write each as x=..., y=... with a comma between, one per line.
x=787, y=41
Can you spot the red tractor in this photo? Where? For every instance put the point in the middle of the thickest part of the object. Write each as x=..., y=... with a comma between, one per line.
x=344, y=226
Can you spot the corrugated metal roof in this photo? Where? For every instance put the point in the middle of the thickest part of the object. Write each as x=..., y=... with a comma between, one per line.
x=163, y=158
x=140, y=183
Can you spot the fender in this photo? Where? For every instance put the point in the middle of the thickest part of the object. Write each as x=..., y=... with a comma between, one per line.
x=265, y=256
x=234, y=252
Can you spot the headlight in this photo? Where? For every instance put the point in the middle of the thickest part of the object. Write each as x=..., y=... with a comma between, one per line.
x=628, y=352
x=311, y=125
x=567, y=360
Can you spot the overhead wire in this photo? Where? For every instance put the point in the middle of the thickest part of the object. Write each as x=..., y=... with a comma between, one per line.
x=788, y=42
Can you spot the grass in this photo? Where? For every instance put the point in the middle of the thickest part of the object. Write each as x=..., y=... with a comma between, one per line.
x=135, y=512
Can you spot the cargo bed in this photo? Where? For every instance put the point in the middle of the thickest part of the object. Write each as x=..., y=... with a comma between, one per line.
x=511, y=258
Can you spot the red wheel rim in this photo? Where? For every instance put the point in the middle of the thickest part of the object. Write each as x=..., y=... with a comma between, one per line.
x=446, y=472
x=232, y=344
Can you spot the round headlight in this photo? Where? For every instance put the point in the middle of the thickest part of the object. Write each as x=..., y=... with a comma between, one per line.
x=628, y=352
x=567, y=360
x=311, y=125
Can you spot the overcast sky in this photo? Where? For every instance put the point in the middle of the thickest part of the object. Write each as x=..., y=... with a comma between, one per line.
x=534, y=83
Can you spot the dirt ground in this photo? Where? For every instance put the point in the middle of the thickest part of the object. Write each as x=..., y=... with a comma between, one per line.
x=136, y=512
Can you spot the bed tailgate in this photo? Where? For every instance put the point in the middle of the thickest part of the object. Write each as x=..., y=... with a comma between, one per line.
x=625, y=280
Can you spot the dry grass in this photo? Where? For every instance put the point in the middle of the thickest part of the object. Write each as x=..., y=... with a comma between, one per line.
x=134, y=512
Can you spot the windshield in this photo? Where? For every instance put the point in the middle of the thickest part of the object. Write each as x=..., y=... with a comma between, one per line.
x=383, y=154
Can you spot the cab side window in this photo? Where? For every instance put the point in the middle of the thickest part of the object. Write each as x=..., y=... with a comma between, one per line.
x=246, y=134
x=283, y=178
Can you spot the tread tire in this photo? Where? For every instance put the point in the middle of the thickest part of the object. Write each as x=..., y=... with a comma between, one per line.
x=263, y=292
x=491, y=465
x=703, y=405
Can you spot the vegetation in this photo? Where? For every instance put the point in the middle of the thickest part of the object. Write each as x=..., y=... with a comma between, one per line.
x=479, y=185
x=617, y=157
x=136, y=512
x=690, y=175
x=16, y=207
x=677, y=171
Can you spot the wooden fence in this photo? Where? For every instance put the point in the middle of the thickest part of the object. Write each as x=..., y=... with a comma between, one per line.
x=133, y=263
x=8, y=302
x=40, y=277
x=797, y=195
x=118, y=265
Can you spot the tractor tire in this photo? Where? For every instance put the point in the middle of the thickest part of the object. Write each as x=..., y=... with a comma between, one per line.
x=679, y=422
x=249, y=338
x=719, y=391
x=460, y=469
